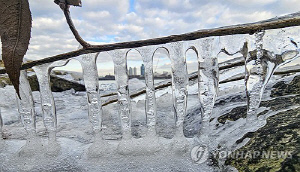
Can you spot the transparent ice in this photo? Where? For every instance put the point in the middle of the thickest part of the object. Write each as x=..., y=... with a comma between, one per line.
x=48, y=104
x=177, y=52
x=27, y=113
x=158, y=149
x=90, y=76
x=147, y=55
x=1, y=131
x=2, y=142
x=26, y=105
x=120, y=67
x=151, y=137
x=254, y=77
x=261, y=64
x=208, y=84
x=231, y=45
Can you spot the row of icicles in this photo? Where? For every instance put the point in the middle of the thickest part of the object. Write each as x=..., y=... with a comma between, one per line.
x=258, y=71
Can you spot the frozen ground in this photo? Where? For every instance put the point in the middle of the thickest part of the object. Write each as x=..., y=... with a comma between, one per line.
x=75, y=136
x=74, y=158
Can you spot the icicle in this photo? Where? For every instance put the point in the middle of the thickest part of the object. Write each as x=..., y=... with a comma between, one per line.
x=2, y=143
x=254, y=78
x=48, y=104
x=120, y=66
x=26, y=105
x=208, y=80
x=27, y=113
x=209, y=75
x=90, y=77
x=260, y=66
x=150, y=143
x=1, y=126
x=179, y=86
x=147, y=55
x=279, y=49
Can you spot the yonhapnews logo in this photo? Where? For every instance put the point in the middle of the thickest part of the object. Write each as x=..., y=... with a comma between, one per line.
x=199, y=154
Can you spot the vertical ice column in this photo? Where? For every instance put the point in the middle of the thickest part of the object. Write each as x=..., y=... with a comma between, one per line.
x=120, y=68
x=2, y=143
x=179, y=88
x=27, y=113
x=90, y=77
x=149, y=144
x=26, y=105
x=179, y=83
x=47, y=102
x=208, y=82
x=147, y=55
x=254, y=77
x=260, y=66
x=1, y=125
x=128, y=144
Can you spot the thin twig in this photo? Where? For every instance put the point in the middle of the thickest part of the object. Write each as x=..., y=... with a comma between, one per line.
x=66, y=11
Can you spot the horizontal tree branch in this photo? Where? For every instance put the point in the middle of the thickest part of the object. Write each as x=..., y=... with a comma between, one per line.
x=250, y=28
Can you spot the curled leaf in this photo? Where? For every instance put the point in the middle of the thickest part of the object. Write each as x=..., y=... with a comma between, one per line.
x=15, y=29
x=69, y=2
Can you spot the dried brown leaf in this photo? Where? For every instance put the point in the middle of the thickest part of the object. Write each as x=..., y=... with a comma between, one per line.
x=69, y=2
x=15, y=29
x=74, y=2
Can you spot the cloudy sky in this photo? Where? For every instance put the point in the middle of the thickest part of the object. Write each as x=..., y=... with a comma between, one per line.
x=108, y=21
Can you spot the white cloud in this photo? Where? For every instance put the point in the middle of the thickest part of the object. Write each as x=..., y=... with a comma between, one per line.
x=252, y=3
x=111, y=21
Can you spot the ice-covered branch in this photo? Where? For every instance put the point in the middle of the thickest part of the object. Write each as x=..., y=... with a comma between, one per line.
x=250, y=28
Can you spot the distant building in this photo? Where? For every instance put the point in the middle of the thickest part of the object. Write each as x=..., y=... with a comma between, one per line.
x=142, y=70
x=130, y=71
x=134, y=71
